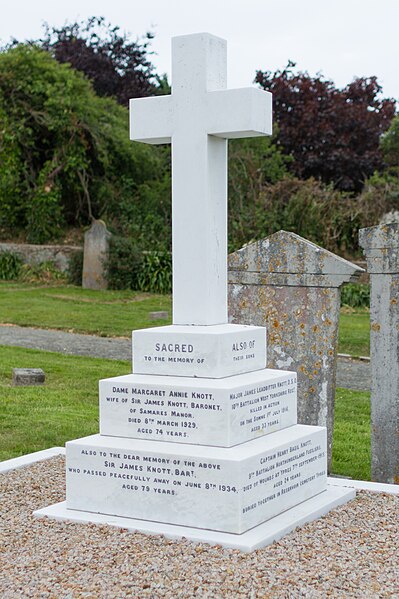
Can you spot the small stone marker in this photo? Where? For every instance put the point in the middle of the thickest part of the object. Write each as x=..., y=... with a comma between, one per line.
x=95, y=254
x=381, y=248
x=161, y=315
x=201, y=434
x=28, y=376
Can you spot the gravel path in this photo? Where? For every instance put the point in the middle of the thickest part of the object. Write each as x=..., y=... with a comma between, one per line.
x=351, y=374
x=66, y=343
x=351, y=552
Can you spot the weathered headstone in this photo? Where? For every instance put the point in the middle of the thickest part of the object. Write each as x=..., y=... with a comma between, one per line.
x=201, y=435
x=95, y=254
x=292, y=287
x=381, y=248
x=28, y=376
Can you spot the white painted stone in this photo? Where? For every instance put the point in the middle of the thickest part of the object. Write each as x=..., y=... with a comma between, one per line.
x=212, y=352
x=221, y=412
x=260, y=536
x=231, y=490
x=198, y=118
x=30, y=458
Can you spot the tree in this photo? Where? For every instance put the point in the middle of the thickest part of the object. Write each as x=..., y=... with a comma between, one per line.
x=332, y=134
x=65, y=154
x=390, y=144
x=116, y=66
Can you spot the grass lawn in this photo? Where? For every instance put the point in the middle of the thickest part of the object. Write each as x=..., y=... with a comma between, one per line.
x=117, y=313
x=351, y=442
x=66, y=407
x=106, y=313
x=354, y=332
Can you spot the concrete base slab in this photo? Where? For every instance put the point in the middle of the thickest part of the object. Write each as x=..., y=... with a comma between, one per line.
x=257, y=537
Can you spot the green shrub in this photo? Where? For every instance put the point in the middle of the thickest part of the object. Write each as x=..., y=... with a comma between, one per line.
x=43, y=272
x=355, y=295
x=10, y=266
x=155, y=274
x=124, y=263
x=75, y=269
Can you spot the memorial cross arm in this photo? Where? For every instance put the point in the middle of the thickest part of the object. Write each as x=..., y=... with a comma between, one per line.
x=198, y=118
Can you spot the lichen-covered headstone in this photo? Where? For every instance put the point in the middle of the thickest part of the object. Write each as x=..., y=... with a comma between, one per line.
x=96, y=250
x=292, y=287
x=381, y=248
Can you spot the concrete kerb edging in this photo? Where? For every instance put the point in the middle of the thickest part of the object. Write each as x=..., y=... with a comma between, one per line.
x=30, y=458
x=45, y=454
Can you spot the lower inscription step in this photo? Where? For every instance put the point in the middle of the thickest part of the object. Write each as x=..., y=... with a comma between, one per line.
x=230, y=490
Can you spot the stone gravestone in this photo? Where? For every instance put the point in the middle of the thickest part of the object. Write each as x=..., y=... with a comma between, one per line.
x=95, y=254
x=381, y=248
x=201, y=441
x=293, y=287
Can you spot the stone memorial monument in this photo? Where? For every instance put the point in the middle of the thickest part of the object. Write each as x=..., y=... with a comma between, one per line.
x=201, y=441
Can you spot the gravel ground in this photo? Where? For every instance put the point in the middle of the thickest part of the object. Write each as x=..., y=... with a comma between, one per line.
x=351, y=374
x=351, y=552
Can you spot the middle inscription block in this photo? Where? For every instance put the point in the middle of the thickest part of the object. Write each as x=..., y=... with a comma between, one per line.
x=220, y=412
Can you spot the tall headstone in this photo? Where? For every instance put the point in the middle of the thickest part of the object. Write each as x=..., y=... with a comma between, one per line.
x=381, y=248
x=95, y=254
x=201, y=435
x=293, y=288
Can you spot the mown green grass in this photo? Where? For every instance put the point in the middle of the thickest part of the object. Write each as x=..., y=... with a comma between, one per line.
x=354, y=332
x=107, y=313
x=117, y=313
x=351, y=441
x=66, y=407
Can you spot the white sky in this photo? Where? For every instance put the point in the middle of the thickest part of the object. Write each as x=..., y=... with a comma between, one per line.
x=341, y=39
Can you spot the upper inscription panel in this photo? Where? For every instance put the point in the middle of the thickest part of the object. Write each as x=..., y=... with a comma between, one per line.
x=210, y=352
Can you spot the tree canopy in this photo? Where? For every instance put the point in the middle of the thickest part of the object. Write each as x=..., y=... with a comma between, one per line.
x=116, y=65
x=65, y=153
x=332, y=134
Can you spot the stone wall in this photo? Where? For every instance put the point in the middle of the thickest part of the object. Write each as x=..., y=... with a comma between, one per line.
x=35, y=254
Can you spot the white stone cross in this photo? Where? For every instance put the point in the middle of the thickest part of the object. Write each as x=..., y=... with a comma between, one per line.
x=198, y=118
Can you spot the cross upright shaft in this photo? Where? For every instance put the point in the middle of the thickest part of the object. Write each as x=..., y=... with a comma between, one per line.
x=198, y=118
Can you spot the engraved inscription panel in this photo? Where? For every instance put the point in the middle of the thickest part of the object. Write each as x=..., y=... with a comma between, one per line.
x=188, y=485
x=215, y=351
x=203, y=411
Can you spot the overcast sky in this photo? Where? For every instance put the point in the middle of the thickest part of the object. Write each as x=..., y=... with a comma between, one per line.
x=341, y=39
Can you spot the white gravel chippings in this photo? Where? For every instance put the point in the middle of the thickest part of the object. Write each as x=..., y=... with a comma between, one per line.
x=351, y=552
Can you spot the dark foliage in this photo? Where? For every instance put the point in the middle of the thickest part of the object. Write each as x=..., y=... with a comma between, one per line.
x=116, y=66
x=75, y=269
x=332, y=134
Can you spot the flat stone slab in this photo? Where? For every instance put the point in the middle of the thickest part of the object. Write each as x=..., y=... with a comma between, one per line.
x=257, y=537
x=161, y=315
x=220, y=412
x=28, y=376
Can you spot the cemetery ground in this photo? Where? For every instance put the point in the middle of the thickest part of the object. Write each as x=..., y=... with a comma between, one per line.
x=35, y=418
x=350, y=552
x=117, y=313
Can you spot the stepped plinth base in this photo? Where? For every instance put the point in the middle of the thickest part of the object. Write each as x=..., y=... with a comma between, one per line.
x=257, y=537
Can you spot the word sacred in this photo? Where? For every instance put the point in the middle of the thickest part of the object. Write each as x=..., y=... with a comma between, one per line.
x=174, y=347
